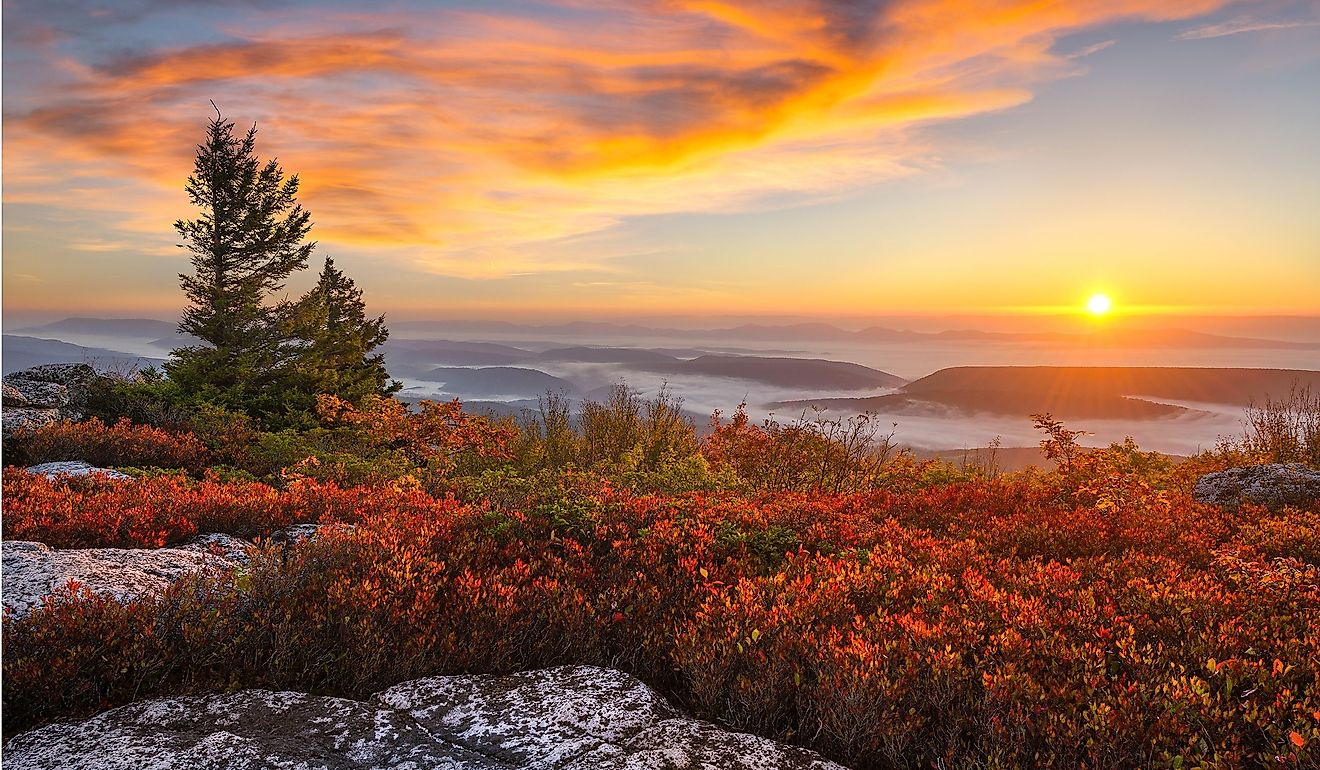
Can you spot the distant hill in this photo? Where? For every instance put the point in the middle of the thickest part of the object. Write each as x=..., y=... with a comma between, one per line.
x=806, y=373
x=1076, y=392
x=606, y=355
x=1237, y=387
x=409, y=357
x=1002, y=459
x=492, y=381
x=109, y=327
x=22, y=352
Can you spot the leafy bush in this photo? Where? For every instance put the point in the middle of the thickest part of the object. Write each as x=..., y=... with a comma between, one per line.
x=817, y=454
x=123, y=443
x=145, y=397
x=983, y=621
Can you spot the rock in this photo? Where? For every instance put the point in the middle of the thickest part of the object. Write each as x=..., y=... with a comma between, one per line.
x=567, y=718
x=16, y=419
x=228, y=547
x=14, y=397
x=78, y=378
x=1273, y=486
x=75, y=468
x=33, y=570
x=63, y=387
x=40, y=395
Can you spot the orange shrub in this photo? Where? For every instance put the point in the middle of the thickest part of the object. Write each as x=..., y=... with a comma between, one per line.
x=929, y=627
x=121, y=444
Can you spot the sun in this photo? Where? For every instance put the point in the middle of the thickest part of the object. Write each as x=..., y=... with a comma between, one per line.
x=1099, y=304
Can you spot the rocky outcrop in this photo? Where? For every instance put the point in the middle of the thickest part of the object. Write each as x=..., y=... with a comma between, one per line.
x=75, y=468
x=1273, y=486
x=13, y=397
x=34, y=570
x=567, y=718
x=43, y=394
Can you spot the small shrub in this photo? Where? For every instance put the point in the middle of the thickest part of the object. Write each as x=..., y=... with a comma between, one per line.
x=123, y=443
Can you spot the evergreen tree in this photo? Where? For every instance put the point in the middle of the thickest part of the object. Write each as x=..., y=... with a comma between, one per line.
x=246, y=242
x=334, y=341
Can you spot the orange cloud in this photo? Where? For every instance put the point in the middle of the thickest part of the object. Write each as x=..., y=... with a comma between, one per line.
x=469, y=143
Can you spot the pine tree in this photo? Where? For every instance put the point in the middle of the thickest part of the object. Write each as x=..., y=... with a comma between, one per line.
x=246, y=242
x=335, y=339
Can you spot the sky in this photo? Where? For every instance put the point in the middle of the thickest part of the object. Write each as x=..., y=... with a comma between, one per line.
x=784, y=157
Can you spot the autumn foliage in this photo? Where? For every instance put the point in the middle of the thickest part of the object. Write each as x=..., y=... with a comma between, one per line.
x=121, y=444
x=1094, y=616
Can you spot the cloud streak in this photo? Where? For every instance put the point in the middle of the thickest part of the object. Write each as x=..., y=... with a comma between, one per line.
x=481, y=144
x=1241, y=25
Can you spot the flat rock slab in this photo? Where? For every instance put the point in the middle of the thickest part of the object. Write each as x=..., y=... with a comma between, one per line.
x=567, y=718
x=34, y=570
x=1273, y=486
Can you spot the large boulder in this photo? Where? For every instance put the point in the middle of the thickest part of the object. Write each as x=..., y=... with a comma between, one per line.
x=39, y=394
x=78, y=378
x=64, y=388
x=567, y=718
x=25, y=418
x=1273, y=486
x=34, y=570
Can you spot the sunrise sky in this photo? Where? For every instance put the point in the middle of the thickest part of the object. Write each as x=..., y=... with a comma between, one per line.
x=686, y=156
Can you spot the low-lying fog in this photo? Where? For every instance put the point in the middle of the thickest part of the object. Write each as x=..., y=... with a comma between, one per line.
x=515, y=364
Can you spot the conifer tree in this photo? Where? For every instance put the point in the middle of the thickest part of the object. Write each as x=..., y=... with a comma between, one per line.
x=334, y=341
x=247, y=240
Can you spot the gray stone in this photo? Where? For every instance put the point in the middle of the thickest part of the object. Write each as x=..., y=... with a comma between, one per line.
x=75, y=468
x=77, y=377
x=35, y=570
x=1273, y=486
x=14, y=397
x=63, y=387
x=24, y=419
x=228, y=547
x=40, y=394
x=567, y=718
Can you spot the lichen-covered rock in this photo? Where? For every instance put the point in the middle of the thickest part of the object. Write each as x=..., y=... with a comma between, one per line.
x=62, y=387
x=26, y=418
x=34, y=570
x=228, y=547
x=1273, y=486
x=75, y=468
x=567, y=718
x=40, y=394
x=76, y=377
x=249, y=729
x=12, y=396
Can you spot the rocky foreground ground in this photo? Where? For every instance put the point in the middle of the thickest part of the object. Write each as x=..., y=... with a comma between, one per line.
x=567, y=718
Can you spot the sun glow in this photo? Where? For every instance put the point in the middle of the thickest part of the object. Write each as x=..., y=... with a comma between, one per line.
x=1099, y=304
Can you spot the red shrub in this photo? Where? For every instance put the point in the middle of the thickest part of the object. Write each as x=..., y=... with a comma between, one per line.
x=121, y=444
x=1006, y=623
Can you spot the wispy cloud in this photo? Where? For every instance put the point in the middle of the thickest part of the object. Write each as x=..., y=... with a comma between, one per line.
x=1094, y=49
x=1240, y=25
x=477, y=143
